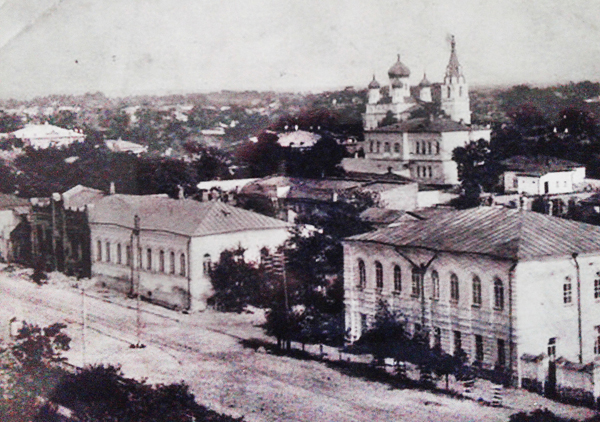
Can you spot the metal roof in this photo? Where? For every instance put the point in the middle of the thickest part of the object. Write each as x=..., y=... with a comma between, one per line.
x=183, y=216
x=500, y=232
x=424, y=125
x=380, y=215
x=539, y=165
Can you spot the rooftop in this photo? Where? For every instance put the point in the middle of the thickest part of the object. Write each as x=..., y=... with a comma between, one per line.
x=424, y=125
x=494, y=231
x=380, y=215
x=184, y=216
x=10, y=201
x=80, y=196
x=538, y=165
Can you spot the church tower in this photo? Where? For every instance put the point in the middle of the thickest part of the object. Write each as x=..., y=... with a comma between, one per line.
x=455, y=91
x=374, y=94
x=425, y=90
x=400, y=88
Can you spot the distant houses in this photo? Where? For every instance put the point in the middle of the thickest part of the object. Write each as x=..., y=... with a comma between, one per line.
x=47, y=136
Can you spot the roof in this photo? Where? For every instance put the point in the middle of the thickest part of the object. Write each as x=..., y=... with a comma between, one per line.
x=374, y=84
x=45, y=131
x=119, y=145
x=226, y=185
x=181, y=216
x=10, y=202
x=499, y=232
x=424, y=82
x=424, y=125
x=298, y=139
x=80, y=196
x=453, y=70
x=380, y=215
x=539, y=165
x=399, y=70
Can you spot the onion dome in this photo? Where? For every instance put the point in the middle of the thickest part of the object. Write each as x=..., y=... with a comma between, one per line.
x=424, y=82
x=397, y=84
x=374, y=84
x=399, y=70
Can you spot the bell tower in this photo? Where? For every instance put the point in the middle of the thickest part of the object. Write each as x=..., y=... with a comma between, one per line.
x=455, y=91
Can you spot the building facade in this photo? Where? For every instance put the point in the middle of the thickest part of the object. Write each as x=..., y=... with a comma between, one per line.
x=541, y=175
x=497, y=283
x=163, y=249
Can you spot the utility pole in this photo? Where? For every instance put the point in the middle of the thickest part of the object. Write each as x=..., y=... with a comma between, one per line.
x=83, y=323
x=136, y=233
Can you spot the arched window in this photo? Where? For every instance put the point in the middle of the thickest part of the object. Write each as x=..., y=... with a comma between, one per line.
x=161, y=261
x=206, y=264
x=498, y=294
x=437, y=147
x=107, y=251
x=416, y=282
x=119, y=258
x=435, y=285
x=99, y=251
x=429, y=152
x=397, y=278
x=417, y=147
x=449, y=92
x=362, y=274
x=149, y=259
x=460, y=91
x=386, y=147
x=454, y=292
x=476, y=291
x=378, y=275
x=182, y=270
x=128, y=254
x=139, y=253
x=172, y=263
x=371, y=145
x=567, y=291
x=378, y=146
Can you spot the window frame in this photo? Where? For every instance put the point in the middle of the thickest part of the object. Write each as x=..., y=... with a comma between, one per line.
x=362, y=274
x=454, y=288
x=568, y=291
x=397, y=279
x=476, y=289
x=498, y=294
x=435, y=284
x=416, y=282
x=378, y=276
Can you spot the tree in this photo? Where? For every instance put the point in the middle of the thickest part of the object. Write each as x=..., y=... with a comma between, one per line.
x=35, y=347
x=477, y=170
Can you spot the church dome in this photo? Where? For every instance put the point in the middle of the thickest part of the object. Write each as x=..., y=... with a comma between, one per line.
x=399, y=70
x=424, y=82
x=374, y=84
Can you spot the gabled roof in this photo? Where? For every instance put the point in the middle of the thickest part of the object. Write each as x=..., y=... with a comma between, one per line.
x=380, y=215
x=499, y=232
x=184, y=216
x=424, y=124
x=539, y=165
x=44, y=131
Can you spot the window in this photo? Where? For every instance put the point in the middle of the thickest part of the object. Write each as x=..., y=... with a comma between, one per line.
x=182, y=270
x=478, y=348
x=397, y=279
x=460, y=91
x=498, y=294
x=501, y=353
x=418, y=171
x=378, y=275
x=206, y=264
x=567, y=291
x=363, y=323
x=107, y=251
x=476, y=291
x=378, y=146
x=396, y=147
x=457, y=342
x=98, y=251
x=371, y=145
x=448, y=92
x=597, y=286
x=172, y=263
x=128, y=254
x=435, y=284
x=161, y=261
x=416, y=282
x=386, y=147
x=119, y=258
x=597, y=342
x=516, y=182
x=454, y=293
x=437, y=147
x=428, y=148
x=437, y=338
x=552, y=348
x=362, y=274
x=149, y=259
x=430, y=171
x=417, y=147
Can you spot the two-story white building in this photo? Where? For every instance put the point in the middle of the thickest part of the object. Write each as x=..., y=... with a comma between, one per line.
x=163, y=248
x=496, y=283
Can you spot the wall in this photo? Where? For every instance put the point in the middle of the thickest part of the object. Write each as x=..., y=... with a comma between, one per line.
x=542, y=313
x=403, y=197
x=484, y=320
x=8, y=221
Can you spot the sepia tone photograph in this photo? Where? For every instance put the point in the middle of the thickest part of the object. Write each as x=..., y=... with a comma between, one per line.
x=321, y=211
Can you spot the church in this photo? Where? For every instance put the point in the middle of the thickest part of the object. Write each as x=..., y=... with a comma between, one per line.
x=413, y=130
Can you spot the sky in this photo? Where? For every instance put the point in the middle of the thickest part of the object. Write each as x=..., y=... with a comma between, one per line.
x=125, y=47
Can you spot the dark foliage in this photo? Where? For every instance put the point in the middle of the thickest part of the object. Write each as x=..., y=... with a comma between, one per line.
x=101, y=393
x=539, y=415
x=35, y=347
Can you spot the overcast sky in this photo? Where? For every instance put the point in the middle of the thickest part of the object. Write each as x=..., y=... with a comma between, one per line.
x=123, y=47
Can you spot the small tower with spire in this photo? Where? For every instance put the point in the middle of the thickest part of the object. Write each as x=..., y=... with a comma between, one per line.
x=425, y=89
x=400, y=88
x=455, y=91
x=374, y=93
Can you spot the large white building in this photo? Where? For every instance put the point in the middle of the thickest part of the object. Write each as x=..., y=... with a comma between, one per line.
x=500, y=284
x=163, y=248
x=420, y=146
x=47, y=135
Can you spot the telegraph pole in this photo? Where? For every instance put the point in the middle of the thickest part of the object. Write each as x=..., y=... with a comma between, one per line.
x=136, y=233
x=83, y=324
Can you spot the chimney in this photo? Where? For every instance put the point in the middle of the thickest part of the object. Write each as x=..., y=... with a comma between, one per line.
x=112, y=189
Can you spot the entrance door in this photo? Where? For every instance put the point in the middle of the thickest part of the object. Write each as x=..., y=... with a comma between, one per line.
x=546, y=187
